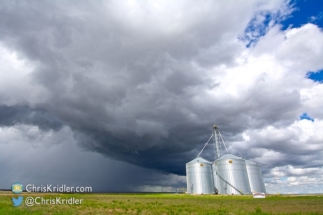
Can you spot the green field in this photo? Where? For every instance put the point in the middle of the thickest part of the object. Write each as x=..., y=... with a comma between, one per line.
x=167, y=204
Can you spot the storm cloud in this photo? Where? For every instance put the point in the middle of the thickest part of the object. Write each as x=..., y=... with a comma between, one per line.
x=143, y=82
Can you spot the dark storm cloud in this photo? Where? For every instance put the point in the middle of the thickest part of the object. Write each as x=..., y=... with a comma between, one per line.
x=10, y=116
x=135, y=87
x=54, y=158
x=125, y=92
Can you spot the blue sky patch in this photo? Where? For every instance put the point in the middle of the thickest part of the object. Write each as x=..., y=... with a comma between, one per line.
x=305, y=11
x=305, y=116
x=255, y=30
x=315, y=76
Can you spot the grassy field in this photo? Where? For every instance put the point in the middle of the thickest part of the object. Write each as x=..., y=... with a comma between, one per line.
x=167, y=204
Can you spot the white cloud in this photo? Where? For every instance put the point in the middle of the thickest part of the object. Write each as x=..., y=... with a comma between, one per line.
x=304, y=181
x=16, y=83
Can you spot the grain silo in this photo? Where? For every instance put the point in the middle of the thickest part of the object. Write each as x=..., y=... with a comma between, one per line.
x=228, y=174
x=231, y=175
x=255, y=177
x=199, y=176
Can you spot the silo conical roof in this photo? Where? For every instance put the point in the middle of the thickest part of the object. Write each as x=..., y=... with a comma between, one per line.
x=200, y=160
x=229, y=156
x=249, y=162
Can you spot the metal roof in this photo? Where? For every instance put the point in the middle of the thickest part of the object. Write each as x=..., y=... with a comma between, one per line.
x=229, y=156
x=252, y=163
x=199, y=160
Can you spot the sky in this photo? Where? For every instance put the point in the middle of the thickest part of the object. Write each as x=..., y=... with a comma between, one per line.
x=120, y=95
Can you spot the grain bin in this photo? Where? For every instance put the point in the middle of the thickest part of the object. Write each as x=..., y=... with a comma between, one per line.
x=199, y=176
x=231, y=175
x=255, y=177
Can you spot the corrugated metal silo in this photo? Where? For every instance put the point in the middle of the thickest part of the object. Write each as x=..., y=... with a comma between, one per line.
x=255, y=177
x=199, y=176
x=214, y=167
x=231, y=175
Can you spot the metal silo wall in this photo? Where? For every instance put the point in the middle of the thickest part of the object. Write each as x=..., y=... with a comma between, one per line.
x=255, y=177
x=214, y=176
x=199, y=178
x=232, y=176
